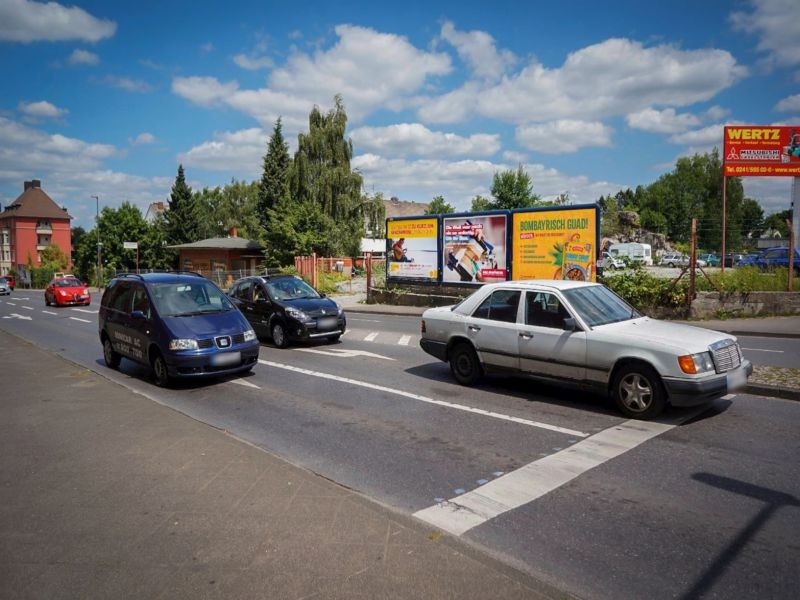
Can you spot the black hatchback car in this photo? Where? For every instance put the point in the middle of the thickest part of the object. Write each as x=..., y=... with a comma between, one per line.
x=286, y=308
x=179, y=324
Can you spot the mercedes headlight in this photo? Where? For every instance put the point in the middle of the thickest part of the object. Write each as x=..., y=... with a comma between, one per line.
x=696, y=363
x=183, y=344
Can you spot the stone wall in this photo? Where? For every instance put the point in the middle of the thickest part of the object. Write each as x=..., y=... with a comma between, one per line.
x=745, y=304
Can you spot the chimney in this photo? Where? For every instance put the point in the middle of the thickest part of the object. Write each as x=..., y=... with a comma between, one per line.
x=33, y=183
x=233, y=231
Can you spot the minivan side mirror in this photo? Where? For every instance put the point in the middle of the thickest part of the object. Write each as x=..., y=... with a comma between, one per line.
x=570, y=324
x=323, y=295
x=137, y=314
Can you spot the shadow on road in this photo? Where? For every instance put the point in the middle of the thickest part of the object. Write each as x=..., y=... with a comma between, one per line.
x=773, y=501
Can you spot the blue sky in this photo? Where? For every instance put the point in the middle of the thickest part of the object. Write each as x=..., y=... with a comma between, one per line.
x=107, y=98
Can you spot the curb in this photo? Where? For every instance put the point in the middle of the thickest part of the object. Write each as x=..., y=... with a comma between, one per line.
x=773, y=391
x=768, y=334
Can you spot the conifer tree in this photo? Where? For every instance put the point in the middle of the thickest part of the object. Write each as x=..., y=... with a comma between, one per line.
x=274, y=185
x=182, y=226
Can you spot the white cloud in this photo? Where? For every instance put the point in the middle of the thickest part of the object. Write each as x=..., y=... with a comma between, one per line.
x=661, y=121
x=790, y=104
x=777, y=25
x=774, y=194
x=371, y=70
x=453, y=107
x=128, y=84
x=563, y=136
x=27, y=21
x=253, y=63
x=477, y=49
x=207, y=47
x=143, y=138
x=614, y=77
x=41, y=109
x=715, y=113
x=460, y=181
x=83, y=57
x=700, y=138
x=515, y=157
x=415, y=139
x=233, y=151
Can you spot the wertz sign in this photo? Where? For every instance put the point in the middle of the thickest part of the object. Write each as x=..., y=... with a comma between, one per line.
x=761, y=151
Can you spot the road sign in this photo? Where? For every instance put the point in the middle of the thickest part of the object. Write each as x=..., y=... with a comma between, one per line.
x=130, y=245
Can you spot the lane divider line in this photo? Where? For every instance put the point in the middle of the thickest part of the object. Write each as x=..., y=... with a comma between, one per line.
x=442, y=403
x=49, y=313
x=371, y=336
x=403, y=341
x=83, y=310
x=244, y=383
x=532, y=481
x=763, y=350
x=81, y=320
x=10, y=303
x=28, y=307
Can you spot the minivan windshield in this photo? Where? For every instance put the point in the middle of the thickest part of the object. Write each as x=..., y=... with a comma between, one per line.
x=290, y=288
x=597, y=305
x=186, y=299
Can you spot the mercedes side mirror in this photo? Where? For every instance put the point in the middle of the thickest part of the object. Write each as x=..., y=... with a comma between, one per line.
x=570, y=324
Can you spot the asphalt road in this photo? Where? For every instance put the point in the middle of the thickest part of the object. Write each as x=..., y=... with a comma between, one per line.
x=553, y=482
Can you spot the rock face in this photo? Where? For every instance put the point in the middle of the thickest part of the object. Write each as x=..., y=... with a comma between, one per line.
x=628, y=219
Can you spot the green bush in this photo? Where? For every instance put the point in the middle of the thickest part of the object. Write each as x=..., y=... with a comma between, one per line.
x=644, y=291
x=748, y=279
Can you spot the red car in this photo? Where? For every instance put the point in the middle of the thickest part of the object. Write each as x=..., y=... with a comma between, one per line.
x=11, y=281
x=67, y=291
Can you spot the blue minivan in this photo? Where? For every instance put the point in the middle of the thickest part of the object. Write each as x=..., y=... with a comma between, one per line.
x=179, y=324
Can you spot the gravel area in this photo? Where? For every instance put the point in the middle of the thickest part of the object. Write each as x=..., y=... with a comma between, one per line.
x=777, y=376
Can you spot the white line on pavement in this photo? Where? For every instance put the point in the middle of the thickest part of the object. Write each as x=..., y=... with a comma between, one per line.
x=244, y=383
x=403, y=341
x=364, y=320
x=460, y=514
x=83, y=310
x=28, y=307
x=81, y=320
x=343, y=353
x=10, y=303
x=371, y=336
x=763, y=350
x=49, y=313
x=470, y=409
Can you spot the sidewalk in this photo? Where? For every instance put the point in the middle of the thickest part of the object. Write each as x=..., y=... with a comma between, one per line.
x=107, y=494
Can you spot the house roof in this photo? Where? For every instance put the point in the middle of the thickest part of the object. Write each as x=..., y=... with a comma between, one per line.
x=34, y=202
x=226, y=243
x=402, y=208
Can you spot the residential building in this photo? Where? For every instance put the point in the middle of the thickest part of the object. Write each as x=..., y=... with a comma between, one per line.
x=30, y=224
x=154, y=210
x=221, y=259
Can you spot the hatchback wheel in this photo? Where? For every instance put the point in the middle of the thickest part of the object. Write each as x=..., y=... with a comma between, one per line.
x=464, y=364
x=160, y=371
x=111, y=357
x=638, y=392
x=279, y=335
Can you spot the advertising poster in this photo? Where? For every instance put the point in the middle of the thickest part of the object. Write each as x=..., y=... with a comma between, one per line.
x=412, y=249
x=555, y=244
x=767, y=151
x=474, y=249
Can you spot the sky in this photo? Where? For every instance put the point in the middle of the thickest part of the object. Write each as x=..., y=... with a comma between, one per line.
x=107, y=98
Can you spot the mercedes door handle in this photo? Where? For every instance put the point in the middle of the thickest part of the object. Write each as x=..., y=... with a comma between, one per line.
x=473, y=328
x=526, y=336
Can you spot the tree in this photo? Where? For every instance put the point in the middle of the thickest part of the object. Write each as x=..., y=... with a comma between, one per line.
x=777, y=222
x=752, y=218
x=76, y=236
x=182, y=216
x=439, y=207
x=479, y=203
x=274, y=185
x=513, y=189
x=53, y=257
x=118, y=225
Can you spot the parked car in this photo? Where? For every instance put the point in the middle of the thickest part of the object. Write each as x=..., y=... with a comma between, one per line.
x=732, y=260
x=712, y=260
x=12, y=281
x=287, y=309
x=775, y=258
x=610, y=262
x=5, y=287
x=179, y=325
x=633, y=251
x=67, y=291
x=750, y=260
x=583, y=334
x=679, y=260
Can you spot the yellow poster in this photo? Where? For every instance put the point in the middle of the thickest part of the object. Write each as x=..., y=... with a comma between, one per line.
x=555, y=244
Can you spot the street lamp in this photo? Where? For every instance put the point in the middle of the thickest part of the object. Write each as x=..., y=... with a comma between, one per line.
x=97, y=226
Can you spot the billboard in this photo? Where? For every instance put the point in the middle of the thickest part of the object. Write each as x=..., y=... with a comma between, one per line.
x=556, y=243
x=474, y=248
x=770, y=151
x=412, y=249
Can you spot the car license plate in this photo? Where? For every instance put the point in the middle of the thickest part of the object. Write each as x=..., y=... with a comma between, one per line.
x=226, y=359
x=327, y=323
x=736, y=379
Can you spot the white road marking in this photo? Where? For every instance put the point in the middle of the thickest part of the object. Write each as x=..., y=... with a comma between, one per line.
x=10, y=303
x=371, y=336
x=364, y=320
x=461, y=513
x=244, y=383
x=28, y=307
x=470, y=409
x=403, y=341
x=16, y=316
x=343, y=353
x=81, y=320
x=49, y=313
x=83, y=310
x=763, y=350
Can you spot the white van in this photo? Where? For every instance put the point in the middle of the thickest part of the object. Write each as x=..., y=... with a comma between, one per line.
x=634, y=251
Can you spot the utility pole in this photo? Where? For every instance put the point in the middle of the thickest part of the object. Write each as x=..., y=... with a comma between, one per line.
x=97, y=226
